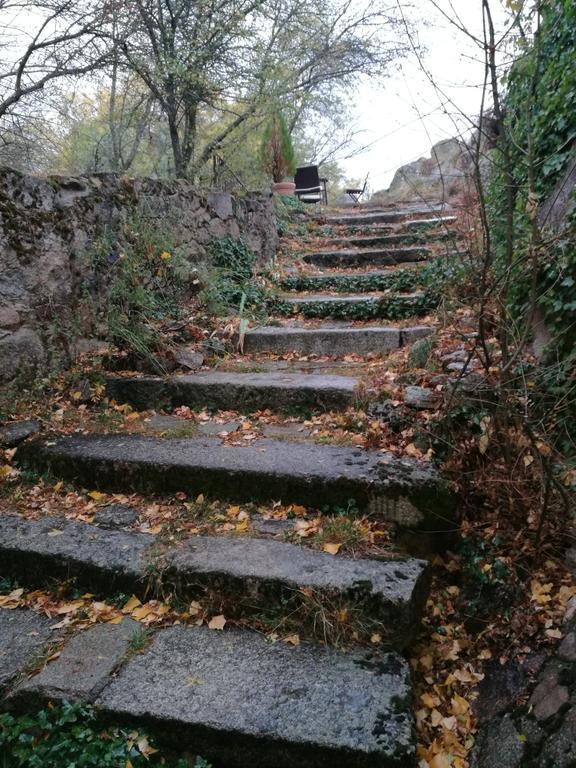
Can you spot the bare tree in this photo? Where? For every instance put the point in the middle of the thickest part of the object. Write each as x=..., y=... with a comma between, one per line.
x=45, y=40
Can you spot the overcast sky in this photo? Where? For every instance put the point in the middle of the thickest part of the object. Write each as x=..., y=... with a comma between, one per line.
x=405, y=116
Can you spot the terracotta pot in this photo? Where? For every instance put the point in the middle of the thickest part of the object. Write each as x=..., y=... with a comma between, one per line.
x=284, y=187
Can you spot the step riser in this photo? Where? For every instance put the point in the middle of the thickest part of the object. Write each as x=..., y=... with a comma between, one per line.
x=348, y=341
x=364, y=258
x=144, y=394
x=240, y=577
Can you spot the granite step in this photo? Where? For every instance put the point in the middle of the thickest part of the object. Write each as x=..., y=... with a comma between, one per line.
x=236, y=698
x=399, y=238
x=338, y=340
x=244, y=574
x=235, y=391
x=407, y=492
x=392, y=216
x=367, y=256
x=393, y=306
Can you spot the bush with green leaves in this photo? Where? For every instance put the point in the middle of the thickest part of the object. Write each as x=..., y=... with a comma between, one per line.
x=231, y=285
x=68, y=736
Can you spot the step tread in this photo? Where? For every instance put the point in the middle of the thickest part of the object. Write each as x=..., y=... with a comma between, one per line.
x=404, y=491
x=239, y=699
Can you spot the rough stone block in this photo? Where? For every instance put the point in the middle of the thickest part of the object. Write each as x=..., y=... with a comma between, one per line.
x=82, y=670
x=236, y=391
x=33, y=550
x=390, y=595
x=324, y=340
x=14, y=433
x=240, y=700
x=23, y=633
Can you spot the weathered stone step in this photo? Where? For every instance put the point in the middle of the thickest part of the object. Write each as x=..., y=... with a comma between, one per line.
x=246, y=574
x=400, y=279
x=238, y=699
x=356, y=306
x=374, y=256
x=384, y=217
x=235, y=391
x=419, y=225
x=332, y=340
x=383, y=241
x=409, y=493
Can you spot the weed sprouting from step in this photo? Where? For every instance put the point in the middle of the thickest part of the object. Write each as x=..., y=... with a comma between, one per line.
x=146, y=284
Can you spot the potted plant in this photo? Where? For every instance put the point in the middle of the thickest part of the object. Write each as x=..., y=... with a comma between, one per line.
x=277, y=155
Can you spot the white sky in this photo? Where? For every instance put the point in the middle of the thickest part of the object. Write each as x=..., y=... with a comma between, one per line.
x=403, y=117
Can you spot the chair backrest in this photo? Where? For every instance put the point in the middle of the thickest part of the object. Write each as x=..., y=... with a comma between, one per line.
x=306, y=177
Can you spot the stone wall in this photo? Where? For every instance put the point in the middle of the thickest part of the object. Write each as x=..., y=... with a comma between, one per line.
x=48, y=227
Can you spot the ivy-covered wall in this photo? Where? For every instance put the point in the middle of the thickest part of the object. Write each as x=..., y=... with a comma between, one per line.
x=540, y=106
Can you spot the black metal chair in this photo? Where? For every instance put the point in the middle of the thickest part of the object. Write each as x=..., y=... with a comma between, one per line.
x=356, y=194
x=310, y=187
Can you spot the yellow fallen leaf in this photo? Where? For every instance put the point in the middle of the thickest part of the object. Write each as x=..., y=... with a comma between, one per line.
x=218, y=622
x=131, y=604
x=58, y=486
x=459, y=705
x=142, y=612
x=428, y=700
x=233, y=512
x=200, y=499
x=376, y=638
x=292, y=639
x=298, y=510
x=332, y=549
x=441, y=760
x=96, y=495
x=70, y=607
x=144, y=747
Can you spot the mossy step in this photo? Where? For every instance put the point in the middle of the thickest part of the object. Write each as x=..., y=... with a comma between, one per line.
x=366, y=256
x=357, y=306
x=249, y=574
x=409, y=493
x=336, y=340
x=233, y=696
x=406, y=239
x=235, y=391
x=401, y=279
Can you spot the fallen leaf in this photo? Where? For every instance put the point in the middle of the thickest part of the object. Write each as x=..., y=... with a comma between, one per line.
x=332, y=549
x=218, y=622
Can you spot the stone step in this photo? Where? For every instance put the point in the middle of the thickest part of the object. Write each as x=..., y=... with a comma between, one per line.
x=376, y=216
x=419, y=225
x=404, y=239
x=235, y=391
x=332, y=339
x=407, y=492
x=245, y=574
x=356, y=306
x=374, y=256
x=236, y=698
x=402, y=278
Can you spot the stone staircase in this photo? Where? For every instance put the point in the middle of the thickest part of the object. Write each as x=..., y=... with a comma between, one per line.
x=237, y=697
